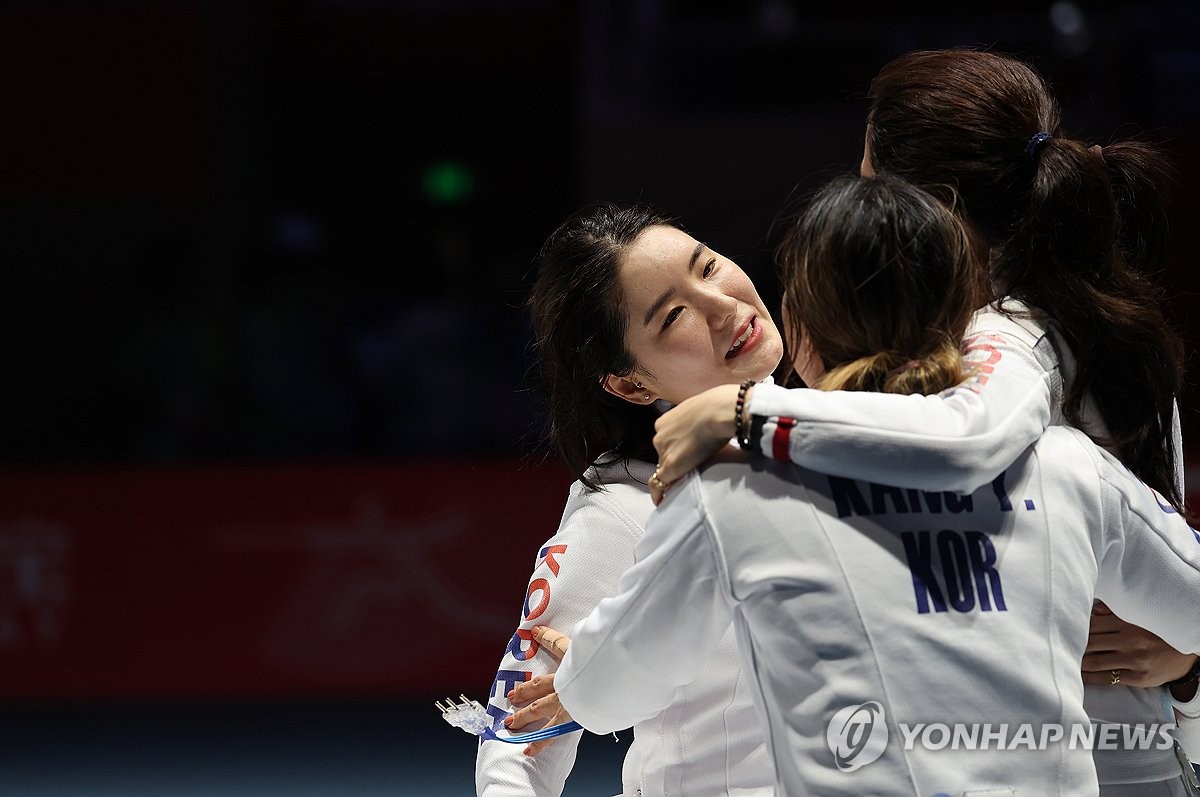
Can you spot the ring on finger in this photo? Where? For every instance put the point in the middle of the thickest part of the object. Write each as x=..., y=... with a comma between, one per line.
x=1115, y=678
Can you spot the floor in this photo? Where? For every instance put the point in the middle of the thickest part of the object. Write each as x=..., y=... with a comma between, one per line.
x=332, y=749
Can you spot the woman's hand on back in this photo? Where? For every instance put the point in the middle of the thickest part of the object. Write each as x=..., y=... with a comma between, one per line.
x=688, y=434
x=539, y=692
x=1132, y=655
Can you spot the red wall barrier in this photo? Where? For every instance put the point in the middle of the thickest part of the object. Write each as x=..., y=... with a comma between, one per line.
x=341, y=580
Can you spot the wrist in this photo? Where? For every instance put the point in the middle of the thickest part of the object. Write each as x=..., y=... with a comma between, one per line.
x=722, y=421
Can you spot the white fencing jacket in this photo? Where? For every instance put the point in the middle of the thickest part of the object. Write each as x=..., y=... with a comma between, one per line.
x=940, y=608
x=704, y=740
x=959, y=441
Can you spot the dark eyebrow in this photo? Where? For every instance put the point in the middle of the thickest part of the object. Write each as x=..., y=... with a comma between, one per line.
x=669, y=292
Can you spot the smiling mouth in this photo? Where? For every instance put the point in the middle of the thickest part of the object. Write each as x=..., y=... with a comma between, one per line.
x=741, y=341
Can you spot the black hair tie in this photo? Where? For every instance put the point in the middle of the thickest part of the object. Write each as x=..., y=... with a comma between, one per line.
x=1035, y=144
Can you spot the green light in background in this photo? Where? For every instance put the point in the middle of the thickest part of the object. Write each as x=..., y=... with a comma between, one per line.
x=448, y=182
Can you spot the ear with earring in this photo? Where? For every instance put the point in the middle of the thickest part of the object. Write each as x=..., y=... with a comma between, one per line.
x=627, y=388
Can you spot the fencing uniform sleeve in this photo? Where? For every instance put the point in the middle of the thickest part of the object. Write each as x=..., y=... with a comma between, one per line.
x=573, y=571
x=1148, y=557
x=631, y=654
x=1187, y=716
x=955, y=441
x=1187, y=713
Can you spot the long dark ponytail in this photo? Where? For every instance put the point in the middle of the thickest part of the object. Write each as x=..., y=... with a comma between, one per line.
x=1076, y=231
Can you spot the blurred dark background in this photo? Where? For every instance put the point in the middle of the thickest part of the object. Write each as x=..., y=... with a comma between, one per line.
x=266, y=426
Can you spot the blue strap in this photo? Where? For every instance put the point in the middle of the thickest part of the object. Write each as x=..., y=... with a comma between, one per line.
x=535, y=736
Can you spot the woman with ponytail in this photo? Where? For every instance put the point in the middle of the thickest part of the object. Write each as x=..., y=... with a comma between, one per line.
x=1073, y=234
x=1076, y=230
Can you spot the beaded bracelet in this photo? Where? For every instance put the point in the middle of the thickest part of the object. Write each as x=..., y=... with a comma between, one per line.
x=1190, y=676
x=741, y=428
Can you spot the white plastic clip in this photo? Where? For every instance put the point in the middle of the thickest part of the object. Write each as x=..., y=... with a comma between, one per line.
x=474, y=719
x=468, y=715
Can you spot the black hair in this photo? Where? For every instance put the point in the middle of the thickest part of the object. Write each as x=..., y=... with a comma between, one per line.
x=579, y=325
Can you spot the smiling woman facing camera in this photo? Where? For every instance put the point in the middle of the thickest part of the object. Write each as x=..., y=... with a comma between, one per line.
x=631, y=314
